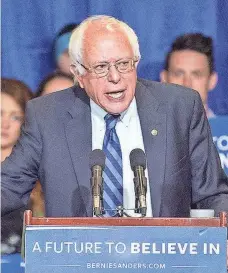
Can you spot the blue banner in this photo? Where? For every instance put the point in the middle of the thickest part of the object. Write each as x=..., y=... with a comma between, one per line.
x=219, y=129
x=12, y=263
x=126, y=249
x=28, y=34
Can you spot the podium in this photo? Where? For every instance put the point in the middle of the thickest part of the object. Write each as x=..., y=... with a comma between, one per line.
x=174, y=245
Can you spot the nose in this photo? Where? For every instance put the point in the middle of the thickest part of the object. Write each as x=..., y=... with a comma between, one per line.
x=187, y=81
x=113, y=75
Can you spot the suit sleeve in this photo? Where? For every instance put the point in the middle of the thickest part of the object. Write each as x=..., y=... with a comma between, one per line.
x=20, y=169
x=209, y=182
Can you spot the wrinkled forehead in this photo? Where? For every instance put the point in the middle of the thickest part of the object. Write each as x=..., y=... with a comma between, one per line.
x=105, y=40
x=102, y=29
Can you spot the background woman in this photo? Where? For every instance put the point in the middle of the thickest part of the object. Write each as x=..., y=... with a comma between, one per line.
x=14, y=96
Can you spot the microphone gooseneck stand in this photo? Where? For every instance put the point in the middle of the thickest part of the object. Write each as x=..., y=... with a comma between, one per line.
x=120, y=212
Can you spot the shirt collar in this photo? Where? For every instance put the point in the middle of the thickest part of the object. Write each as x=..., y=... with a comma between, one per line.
x=98, y=113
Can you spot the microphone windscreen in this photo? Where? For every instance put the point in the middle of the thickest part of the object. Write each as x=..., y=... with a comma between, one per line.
x=137, y=158
x=97, y=157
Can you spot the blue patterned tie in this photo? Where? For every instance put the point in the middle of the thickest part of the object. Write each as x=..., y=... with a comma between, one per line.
x=113, y=172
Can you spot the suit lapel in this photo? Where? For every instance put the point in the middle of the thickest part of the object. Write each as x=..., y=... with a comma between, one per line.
x=153, y=124
x=79, y=137
x=78, y=130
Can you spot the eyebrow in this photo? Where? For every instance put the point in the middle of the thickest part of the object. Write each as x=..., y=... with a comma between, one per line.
x=124, y=58
x=13, y=112
x=181, y=69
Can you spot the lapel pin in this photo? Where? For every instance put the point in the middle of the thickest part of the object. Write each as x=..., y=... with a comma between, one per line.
x=154, y=132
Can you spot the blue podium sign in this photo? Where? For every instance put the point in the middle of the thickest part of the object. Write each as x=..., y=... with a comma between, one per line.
x=101, y=249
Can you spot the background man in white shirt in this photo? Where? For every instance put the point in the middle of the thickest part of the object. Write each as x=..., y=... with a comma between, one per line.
x=190, y=63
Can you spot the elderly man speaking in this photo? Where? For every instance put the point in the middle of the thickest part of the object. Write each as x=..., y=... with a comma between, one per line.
x=113, y=111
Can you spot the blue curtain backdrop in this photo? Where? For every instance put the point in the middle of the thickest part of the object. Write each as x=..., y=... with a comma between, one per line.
x=29, y=27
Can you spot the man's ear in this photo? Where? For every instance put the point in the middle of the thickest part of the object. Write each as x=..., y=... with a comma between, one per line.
x=213, y=81
x=137, y=63
x=164, y=76
x=77, y=77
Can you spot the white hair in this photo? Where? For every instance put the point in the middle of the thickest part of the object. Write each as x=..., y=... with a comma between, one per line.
x=78, y=35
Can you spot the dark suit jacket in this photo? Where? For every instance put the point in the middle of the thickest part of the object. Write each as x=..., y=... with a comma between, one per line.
x=56, y=142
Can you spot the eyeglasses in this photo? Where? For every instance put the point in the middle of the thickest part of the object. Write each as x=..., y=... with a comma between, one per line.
x=102, y=68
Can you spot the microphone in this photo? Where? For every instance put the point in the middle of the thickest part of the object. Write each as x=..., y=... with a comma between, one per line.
x=97, y=164
x=138, y=166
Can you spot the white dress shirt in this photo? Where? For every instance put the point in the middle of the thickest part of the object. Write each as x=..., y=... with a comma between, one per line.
x=129, y=132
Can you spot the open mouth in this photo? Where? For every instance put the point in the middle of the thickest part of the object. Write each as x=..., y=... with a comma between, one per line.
x=116, y=94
